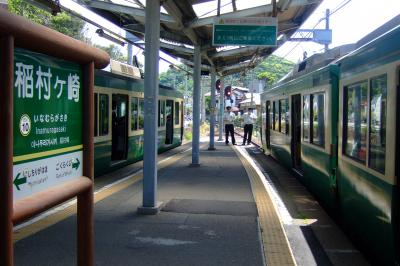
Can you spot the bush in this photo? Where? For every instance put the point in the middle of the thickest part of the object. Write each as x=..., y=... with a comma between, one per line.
x=187, y=134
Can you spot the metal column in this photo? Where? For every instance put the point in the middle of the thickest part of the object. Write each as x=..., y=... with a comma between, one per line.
x=221, y=108
x=152, y=46
x=196, y=106
x=212, y=111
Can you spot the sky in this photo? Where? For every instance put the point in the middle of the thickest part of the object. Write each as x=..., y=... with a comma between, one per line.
x=351, y=20
x=349, y=24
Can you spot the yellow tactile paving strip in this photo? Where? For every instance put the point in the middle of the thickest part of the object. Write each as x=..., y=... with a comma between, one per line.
x=71, y=210
x=276, y=246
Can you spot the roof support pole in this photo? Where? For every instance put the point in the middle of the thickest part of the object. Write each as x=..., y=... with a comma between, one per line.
x=221, y=108
x=152, y=39
x=212, y=110
x=196, y=106
x=130, y=50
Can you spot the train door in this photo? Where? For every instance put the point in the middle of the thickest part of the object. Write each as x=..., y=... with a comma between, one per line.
x=296, y=132
x=268, y=124
x=169, y=127
x=119, y=127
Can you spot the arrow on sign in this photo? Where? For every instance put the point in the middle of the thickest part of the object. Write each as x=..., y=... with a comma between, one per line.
x=19, y=181
x=75, y=165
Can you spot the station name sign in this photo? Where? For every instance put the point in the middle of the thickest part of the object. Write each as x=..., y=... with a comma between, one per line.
x=252, y=31
x=47, y=122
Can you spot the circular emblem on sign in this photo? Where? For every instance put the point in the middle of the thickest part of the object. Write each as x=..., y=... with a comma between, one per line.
x=25, y=125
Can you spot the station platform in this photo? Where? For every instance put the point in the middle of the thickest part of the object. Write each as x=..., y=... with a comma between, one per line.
x=227, y=211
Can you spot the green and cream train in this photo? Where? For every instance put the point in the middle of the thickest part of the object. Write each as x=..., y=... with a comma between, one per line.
x=119, y=119
x=336, y=124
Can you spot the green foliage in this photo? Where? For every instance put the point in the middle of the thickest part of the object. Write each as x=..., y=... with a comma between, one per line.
x=114, y=51
x=187, y=134
x=273, y=69
x=63, y=22
x=177, y=78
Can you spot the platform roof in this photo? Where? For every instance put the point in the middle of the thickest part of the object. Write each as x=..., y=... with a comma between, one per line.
x=185, y=23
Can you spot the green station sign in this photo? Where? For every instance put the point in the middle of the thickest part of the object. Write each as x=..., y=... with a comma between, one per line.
x=245, y=31
x=47, y=122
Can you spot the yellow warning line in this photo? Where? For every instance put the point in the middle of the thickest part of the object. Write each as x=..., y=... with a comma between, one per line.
x=46, y=153
x=71, y=210
x=275, y=243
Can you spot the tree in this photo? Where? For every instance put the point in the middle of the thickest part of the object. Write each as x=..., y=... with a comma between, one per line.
x=114, y=51
x=273, y=69
x=62, y=22
x=176, y=78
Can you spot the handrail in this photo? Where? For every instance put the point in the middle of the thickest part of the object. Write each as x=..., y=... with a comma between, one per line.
x=39, y=202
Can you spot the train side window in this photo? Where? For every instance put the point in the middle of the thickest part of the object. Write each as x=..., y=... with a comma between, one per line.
x=141, y=113
x=287, y=116
x=355, y=121
x=306, y=118
x=134, y=113
x=161, y=113
x=318, y=119
x=283, y=116
x=158, y=117
x=103, y=114
x=96, y=115
x=176, y=113
x=271, y=116
x=377, y=129
x=274, y=116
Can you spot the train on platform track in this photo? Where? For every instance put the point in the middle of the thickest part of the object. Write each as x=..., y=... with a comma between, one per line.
x=335, y=121
x=119, y=118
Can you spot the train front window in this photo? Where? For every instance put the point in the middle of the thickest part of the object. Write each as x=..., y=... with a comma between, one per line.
x=355, y=120
x=318, y=119
x=306, y=118
x=377, y=129
x=134, y=113
x=103, y=114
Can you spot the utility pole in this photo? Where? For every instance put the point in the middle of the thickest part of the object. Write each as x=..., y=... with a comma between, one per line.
x=327, y=26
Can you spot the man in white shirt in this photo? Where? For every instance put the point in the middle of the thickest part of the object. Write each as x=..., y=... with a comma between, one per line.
x=249, y=119
x=229, y=117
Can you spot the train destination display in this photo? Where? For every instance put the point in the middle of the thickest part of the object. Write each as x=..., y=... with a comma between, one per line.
x=47, y=122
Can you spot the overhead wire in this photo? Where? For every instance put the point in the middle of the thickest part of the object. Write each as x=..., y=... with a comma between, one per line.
x=120, y=37
x=337, y=8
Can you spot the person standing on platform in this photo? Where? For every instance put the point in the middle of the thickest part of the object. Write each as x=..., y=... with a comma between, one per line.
x=249, y=119
x=229, y=118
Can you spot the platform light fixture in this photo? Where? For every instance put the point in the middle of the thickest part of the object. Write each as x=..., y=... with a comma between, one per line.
x=101, y=33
